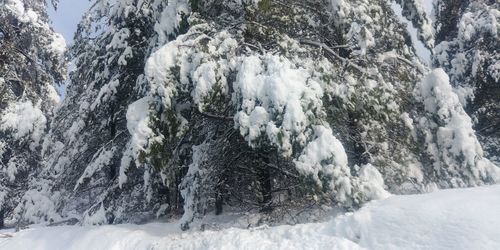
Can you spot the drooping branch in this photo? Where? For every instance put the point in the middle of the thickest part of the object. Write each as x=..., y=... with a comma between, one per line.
x=212, y=116
x=334, y=54
x=401, y=59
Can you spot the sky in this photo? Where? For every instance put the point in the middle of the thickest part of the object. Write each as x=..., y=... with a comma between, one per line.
x=64, y=21
x=67, y=16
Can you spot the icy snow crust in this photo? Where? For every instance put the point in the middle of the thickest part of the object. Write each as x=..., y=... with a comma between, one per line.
x=447, y=219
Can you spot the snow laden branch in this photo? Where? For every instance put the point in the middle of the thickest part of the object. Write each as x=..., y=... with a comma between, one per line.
x=201, y=107
x=276, y=103
x=334, y=54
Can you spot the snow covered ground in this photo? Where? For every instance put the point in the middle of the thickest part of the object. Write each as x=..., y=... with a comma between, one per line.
x=447, y=219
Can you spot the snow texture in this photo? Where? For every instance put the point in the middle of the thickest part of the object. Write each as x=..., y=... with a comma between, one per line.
x=447, y=219
x=25, y=15
x=453, y=137
x=137, y=125
x=23, y=119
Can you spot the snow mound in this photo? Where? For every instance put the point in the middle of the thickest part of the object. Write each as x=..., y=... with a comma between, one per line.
x=447, y=219
x=167, y=236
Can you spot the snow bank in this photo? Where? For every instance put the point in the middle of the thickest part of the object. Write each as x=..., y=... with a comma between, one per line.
x=447, y=219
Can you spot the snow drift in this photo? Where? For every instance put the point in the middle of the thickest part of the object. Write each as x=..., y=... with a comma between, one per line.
x=447, y=219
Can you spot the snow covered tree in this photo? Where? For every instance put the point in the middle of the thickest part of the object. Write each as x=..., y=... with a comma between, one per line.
x=31, y=63
x=290, y=94
x=446, y=129
x=467, y=48
x=192, y=107
x=91, y=131
x=240, y=62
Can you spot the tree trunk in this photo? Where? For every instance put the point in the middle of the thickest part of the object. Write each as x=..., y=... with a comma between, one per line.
x=265, y=183
x=1, y=219
x=219, y=202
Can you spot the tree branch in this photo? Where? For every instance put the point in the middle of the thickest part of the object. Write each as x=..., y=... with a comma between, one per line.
x=212, y=116
x=333, y=53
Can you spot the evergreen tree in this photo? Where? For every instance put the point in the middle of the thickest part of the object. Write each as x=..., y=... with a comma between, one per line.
x=89, y=135
x=31, y=63
x=467, y=48
x=192, y=107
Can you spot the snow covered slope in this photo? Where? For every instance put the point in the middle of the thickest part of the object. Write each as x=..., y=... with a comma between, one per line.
x=447, y=219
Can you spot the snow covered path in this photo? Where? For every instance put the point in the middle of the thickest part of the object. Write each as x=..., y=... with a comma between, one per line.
x=447, y=219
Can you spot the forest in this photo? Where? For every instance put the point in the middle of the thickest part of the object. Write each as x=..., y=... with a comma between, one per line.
x=279, y=110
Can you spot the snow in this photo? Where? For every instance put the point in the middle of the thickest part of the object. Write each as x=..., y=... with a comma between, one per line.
x=18, y=9
x=454, y=136
x=275, y=86
x=107, y=91
x=97, y=217
x=36, y=205
x=448, y=219
x=58, y=45
x=157, y=72
x=53, y=95
x=479, y=22
x=407, y=121
x=3, y=146
x=138, y=127
x=325, y=147
x=372, y=182
x=103, y=159
x=24, y=118
x=421, y=50
x=170, y=19
x=495, y=71
x=445, y=219
x=191, y=184
x=363, y=36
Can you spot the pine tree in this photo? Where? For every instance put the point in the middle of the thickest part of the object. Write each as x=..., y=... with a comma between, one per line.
x=193, y=107
x=467, y=48
x=31, y=62
x=89, y=137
